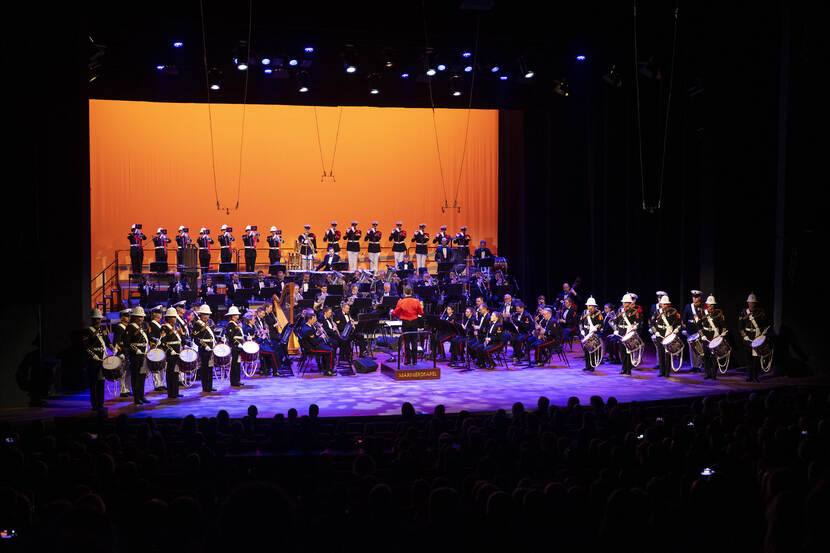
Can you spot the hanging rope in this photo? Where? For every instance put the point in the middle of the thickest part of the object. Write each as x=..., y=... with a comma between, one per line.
x=469, y=111
x=637, y=97
x=320, y=144
x=432, y=103
x=210, y=115
x=668, y=106
x=244, y=101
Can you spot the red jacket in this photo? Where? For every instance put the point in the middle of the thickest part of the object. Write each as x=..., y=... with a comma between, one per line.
x=408, y=309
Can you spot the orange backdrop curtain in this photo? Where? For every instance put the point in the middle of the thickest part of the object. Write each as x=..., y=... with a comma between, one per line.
x=150, y=163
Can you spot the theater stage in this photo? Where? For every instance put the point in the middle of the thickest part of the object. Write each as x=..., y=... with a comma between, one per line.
x=378, y=394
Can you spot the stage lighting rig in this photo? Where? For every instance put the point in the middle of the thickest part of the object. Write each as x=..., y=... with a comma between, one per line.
x=456, y=85
x=561, y=87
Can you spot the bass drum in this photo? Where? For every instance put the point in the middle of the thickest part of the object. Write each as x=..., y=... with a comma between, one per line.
x=500, y=263
x=113, y=368
x=591, y=343
x=156, y=360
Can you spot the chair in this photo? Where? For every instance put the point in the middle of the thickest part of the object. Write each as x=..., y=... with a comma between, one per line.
x=499, y=357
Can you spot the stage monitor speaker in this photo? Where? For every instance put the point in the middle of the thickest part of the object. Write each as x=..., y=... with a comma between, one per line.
x=229, y=267
x=365, y=365
x=158, y=266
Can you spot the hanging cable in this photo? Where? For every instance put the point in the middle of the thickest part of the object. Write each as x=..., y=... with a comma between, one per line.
x=668, y=106
x=469, y=111
x=210, y=116
x=320, y=144
x=244, y=100
x=432, y=103
x=637, y=99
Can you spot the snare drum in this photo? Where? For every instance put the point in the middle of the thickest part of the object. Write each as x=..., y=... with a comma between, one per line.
x=632, y=341
x=188, y=360
x=591, y=343
x=761, y=347
x=156, y=360
x=720, y=348
x=113, y=368
x=695, y=344
x=250, y=352
x=673, y=344
x=222, y=355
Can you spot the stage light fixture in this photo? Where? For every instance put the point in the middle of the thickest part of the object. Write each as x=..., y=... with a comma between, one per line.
x=466, y=54
x=303, y=81
x=265, y=61
x=456, y=85
x=350, y=68
x=308, y=49
x=468, y=68
x=214, y=86
x=503, y=77
x=494, y=69
x=441, y=67
x=580, y=57
x=242, y=66
x=159, y=68
x=404, y=75
x=561, y=87
x=214, y=78
x=292, y=62
x=178, y=44
x=374, y=91
x=268, y=71
x=529, y=74
x=456, y=93
x=303, y=89
x=430, y=71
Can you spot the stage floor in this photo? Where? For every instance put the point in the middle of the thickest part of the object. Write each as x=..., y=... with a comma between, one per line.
x=378, y=394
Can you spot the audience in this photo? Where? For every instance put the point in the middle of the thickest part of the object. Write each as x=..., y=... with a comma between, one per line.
x=736, y=472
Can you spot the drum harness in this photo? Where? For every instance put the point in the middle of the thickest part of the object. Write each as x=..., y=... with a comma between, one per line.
x=765, y=366
x=679, y=355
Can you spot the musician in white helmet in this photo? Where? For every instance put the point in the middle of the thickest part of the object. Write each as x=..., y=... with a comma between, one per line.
x=182, y=241
x=204, y=337
x=160, y=241
x=96, y=343
x=753, y=324
x=136, y=341
x=628, y=319
x=274, y=241
x=204, y=242
x=665, y=322
x=590, y=322
x=225, y=241
x=692, y=313
x=234, y=336
x=170, y=340
x=712, y=325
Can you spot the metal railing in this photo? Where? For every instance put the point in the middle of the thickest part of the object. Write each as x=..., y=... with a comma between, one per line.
x=102, y=285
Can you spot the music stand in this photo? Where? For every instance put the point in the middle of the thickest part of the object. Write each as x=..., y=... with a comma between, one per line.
x=362, y=306
x=445, y=266
x=156, y=297
x=333, y=301
x=190, y=296
x=267, y=292
x=404, y=274
x=454, y=291
x=276, y=268
x=500, y=291
x=388, y=303
x=215, y=300
x=427, y=293
x=311, y=294
x=485, y=262
x=335, y=289
x=340, y=266
x=305, y=304
x=367, y=323
x=364, y=287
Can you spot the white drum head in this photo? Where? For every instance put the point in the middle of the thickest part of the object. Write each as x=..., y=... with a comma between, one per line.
x=155, y=354
x=716, y=342
x=188, y=355
x=222, y=350
x=250, y=347
x=759, y=341
x=111, y=363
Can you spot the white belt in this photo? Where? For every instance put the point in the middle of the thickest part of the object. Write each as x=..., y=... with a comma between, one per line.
x=272, y=248
x=201, y=248
x=135, y=245
x=250, y=247
x=224, y=246
x=358, y=240
x=401, y=242
x=159, y=247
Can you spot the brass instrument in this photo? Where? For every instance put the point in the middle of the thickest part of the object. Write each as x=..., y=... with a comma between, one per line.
x=321, y=332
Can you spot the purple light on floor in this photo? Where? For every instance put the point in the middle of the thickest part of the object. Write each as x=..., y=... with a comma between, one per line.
x=580, y=57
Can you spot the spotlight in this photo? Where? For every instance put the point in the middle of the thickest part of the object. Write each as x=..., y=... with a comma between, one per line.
x=214, y=78
x=404, y=75
x=159, y=67
x=456, y=84
x=308, y=49
x=503, y=77
x=178, y=44
x=580, y=57
x=292, y=62
x=268, y=71
x=350, y=68
x=303, y=89
x=561, y=87
x=388, y=59
x=468, y=68
x=494, y=69
x=303, y=81
x=214, y=87
x=430, y=71
x=529, y=75
x=265, y=61
x=242, y=66
x=374, y=91
x=465, y=54
x=441, y=67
